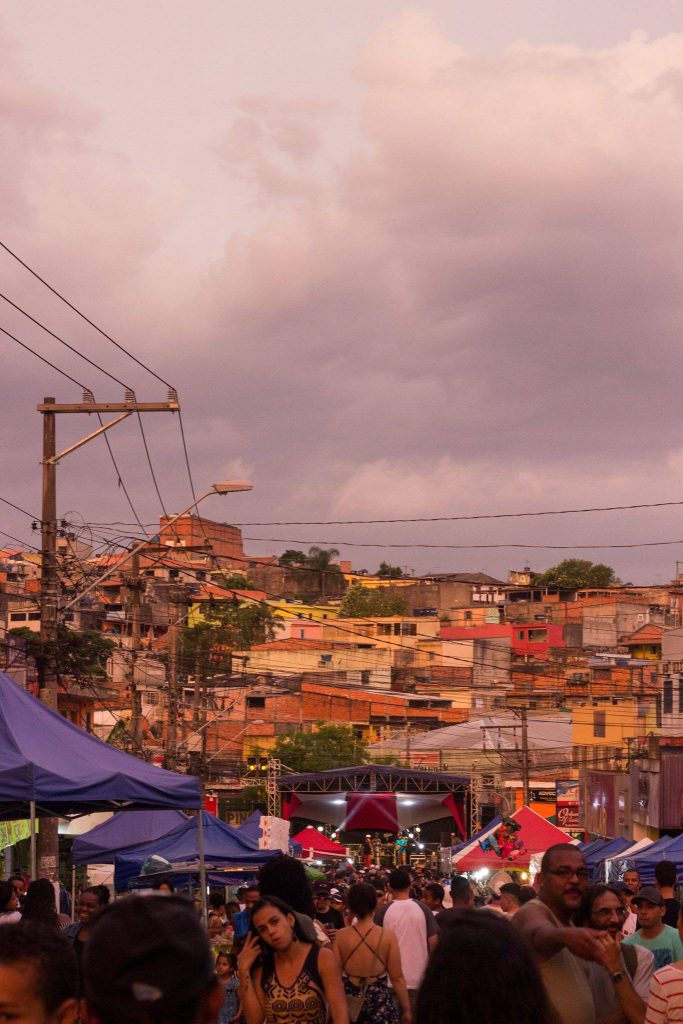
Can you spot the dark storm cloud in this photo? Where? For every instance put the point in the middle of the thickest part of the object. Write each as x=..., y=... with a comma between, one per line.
x=476, y=308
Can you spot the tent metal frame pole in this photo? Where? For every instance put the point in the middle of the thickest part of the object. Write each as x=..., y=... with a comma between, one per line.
x=73, y=892
x=202, y=862
x=32, y=813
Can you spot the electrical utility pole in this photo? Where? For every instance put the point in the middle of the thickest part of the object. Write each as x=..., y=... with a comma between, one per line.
x=525, y=755
x=520, y=709
x=176, y=595
x=48, y=668
x=135, y=585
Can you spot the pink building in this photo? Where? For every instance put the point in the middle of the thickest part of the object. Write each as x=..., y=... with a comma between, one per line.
x=528, y=642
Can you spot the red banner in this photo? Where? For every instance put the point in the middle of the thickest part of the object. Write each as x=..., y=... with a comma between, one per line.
x=371, y=810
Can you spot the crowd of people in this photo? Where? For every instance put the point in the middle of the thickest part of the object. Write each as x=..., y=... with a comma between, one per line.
x=364, y=946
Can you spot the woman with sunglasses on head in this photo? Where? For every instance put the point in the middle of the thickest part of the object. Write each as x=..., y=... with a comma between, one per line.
x=285, y=979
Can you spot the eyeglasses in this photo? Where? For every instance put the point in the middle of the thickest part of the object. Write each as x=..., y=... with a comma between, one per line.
x=608, y=911
x=566, y=873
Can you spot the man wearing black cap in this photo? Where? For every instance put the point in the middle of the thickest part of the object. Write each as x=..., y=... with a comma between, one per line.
x=148, y=962
x=330, y=919
x=662, y=940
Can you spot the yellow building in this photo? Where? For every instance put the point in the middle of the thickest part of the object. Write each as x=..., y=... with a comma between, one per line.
x=602, y=730
x=285, y=609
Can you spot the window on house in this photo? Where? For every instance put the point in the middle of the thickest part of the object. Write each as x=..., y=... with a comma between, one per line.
x=680, y=695
x=408, y=629
x=668, y=696
x=468, y=616
x=599, y=723
x=384, y=629
x=520, y=634
x=302, y=633
x=34, y=616
x=256, y=702
x=538, y=635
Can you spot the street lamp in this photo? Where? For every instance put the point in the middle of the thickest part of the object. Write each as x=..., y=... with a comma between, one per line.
x=222, y=487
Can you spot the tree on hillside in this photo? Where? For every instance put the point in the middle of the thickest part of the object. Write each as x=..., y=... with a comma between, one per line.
x=319, y=577
x=389, y=572
x=206, y=648
x=329, y=746
x=78, y=654
x=371, y=603
x=234, y=581
x=577, y=572
x=292, y=556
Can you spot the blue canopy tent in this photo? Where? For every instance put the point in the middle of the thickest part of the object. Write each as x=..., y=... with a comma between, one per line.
x=251, y=828
x=593, y=846
x=612, y=869
x=224, y=846
x=125, y=831
x=610, y=849
x=52, y=767
x=666, y=848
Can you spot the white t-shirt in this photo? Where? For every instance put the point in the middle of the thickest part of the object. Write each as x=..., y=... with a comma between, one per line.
x=406, y=919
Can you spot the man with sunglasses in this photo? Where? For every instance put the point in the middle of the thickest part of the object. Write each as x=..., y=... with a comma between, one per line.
x=562, y=949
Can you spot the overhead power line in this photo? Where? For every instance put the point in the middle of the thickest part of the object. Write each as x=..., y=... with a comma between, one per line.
x=464, y=518
x=19, y=509
x=33, y=352
x=66, y=344
x=82, y=315
x=462, y=547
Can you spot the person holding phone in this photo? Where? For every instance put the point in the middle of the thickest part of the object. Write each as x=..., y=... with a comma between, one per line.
x=284, y=979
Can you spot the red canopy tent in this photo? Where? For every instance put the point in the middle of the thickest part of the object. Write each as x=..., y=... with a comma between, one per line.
x=315, y=844
x=536, y=833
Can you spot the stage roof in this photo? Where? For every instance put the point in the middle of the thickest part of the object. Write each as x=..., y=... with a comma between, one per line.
x=373, y=778
x=358, y=798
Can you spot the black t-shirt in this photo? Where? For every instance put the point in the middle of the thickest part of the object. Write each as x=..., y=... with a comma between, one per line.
x=671, y=913
x=331, y=919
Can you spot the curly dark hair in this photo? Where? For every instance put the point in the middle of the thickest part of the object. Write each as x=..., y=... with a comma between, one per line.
x=583, y=915
x=481, y=945
x=285, y=877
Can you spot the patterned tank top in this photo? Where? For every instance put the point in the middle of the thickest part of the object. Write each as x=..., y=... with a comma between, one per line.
x=303, y=1002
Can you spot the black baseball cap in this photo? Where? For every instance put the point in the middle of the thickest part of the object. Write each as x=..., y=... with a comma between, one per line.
x=648, y=894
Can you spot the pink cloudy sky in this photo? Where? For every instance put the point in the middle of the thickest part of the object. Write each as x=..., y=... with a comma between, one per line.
x=399, y=262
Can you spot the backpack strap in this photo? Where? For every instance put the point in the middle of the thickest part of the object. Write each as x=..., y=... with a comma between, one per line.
x=630, y=958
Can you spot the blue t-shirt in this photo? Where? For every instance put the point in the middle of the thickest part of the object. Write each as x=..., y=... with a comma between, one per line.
x=241, y=922
x=665, y=947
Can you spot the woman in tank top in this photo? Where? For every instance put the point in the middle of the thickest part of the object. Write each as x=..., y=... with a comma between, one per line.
x=283, y=978
x=368, y=956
